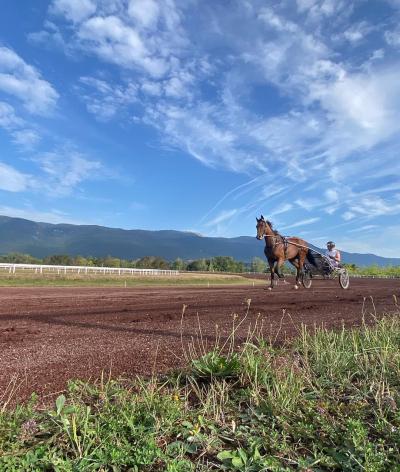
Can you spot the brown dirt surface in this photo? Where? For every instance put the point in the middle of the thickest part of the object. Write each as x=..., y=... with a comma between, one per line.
x=51, y=335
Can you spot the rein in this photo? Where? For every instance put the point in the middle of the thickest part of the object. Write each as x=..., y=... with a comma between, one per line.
x=286, y=238
x=283, y=240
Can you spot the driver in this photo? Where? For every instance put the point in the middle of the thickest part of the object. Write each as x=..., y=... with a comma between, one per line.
x=333, y=253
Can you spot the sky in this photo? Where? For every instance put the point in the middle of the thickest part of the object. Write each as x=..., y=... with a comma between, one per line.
x=200, y=115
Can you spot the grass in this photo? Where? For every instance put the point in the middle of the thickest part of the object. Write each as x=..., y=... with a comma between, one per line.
x=75, y=280
x=328, y=401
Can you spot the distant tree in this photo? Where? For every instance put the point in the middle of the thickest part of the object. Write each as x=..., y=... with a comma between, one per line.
x=178, y=264
x=350, y=267
x=160, y=263
x=144, y=262
x=126, y=263
x=258, y=265
x=58, y=259
x=227, y=264
x=198, y=265
x=112, y=262
x=18, y=258
x=152, y=262
x=80, y=261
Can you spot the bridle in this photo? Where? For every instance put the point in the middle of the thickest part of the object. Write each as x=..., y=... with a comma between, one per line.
x=277, y=239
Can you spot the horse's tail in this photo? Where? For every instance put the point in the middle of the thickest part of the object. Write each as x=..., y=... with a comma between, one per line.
x=310, y=256
x=314, y=258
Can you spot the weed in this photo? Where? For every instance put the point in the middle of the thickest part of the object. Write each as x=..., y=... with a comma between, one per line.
x=329, y=401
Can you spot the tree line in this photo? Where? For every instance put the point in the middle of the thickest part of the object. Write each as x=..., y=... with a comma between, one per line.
x=214, y=264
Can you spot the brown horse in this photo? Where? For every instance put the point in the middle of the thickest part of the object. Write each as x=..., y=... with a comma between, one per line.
x=279, y=249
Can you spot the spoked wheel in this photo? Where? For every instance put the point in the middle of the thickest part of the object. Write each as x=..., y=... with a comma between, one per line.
x=306, y=279
x=344, y=279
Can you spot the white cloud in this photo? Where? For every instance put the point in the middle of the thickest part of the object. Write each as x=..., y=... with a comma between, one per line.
x=305, y=222
x=13, y=180
x=8, y=118
x=222, y=217
x=114, y=41
x=49, y=37
x=73, y=10
x=348, y=215
x=357, y=32
x=309, y=204
x=277, y=22
x=23, y=136
x=332, y=195
x=376, y=55
x=58, y=174
x=363, y=228
x=365, y=109
x=26, y=138
x=30, y=213
x=318, y=10
x=186, y=129
x=393, y=37
x=144, y=35
x=151, y=88
x=178, y=85
x=145, y=12
x=19, y=79
x=66, y=170
x=374, y=206
x=103, y=99
x=282, y=208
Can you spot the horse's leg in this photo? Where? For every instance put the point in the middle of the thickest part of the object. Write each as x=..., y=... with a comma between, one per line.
x=279, y=265
x=296, y=263
x=272, y=270
x=302, y=259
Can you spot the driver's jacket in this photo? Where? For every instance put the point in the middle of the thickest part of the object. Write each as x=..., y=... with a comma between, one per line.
x=334, y=255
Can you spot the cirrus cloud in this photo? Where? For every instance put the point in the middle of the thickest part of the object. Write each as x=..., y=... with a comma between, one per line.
x=24, y=82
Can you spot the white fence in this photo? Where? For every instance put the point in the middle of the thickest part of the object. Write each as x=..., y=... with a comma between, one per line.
x=60, y=270
x=359, y=276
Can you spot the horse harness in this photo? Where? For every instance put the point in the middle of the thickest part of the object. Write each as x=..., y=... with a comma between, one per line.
x=283, y=240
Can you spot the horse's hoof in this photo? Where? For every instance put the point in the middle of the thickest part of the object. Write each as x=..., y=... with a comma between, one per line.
x=296, y=287
x=269, y=288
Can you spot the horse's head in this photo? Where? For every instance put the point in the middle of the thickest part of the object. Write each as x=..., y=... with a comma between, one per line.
x=263, y=227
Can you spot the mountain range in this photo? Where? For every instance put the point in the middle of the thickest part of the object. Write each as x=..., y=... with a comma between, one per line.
x=42, y=239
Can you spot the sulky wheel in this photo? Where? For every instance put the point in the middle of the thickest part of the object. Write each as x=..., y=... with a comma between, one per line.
x=306, y=279
x=344, y=279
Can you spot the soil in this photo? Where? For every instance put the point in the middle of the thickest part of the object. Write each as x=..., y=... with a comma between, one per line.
x=51, y=335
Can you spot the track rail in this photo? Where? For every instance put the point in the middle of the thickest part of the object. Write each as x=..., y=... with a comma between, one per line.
x=83, y=270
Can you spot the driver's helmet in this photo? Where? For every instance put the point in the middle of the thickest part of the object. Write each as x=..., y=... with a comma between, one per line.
x=330, y=244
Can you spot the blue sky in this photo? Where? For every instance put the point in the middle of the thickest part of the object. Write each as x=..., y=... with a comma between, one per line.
x=200, y=115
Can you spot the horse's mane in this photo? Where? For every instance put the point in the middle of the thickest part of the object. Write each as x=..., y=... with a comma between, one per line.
x=269, y=223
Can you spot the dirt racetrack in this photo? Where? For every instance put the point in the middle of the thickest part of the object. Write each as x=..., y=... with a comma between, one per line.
x=50, y=335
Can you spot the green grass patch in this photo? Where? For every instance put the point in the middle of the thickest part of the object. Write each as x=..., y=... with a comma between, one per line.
x=51, y=280
x=329, y=401
x=374, y=270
